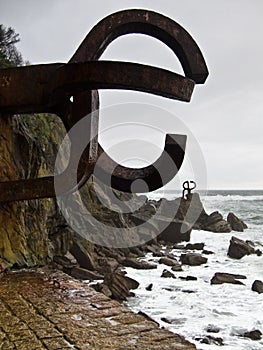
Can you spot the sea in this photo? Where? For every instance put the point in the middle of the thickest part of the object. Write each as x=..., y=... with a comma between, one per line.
x=192, y=307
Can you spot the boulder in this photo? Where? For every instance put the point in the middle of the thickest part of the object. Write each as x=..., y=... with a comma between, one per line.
x=177, y=267
x=195, y=246
x=210, y=340
x=239, y=248
x=257, y=286
x=107, y=265
x=167, y=274
x=235, y=223
x=120, y=285
x=149, y=287
x=215, y=223
x=192, y=259
x=207, y=252
x=221, y=277
x=64, y=262
x=253, y=335
x=168, y=261
x=188, y=278
x=83, y=255
x=102, y=288
x=212, y=329
x=176, y=231
x=137, y=264
x=83, y=274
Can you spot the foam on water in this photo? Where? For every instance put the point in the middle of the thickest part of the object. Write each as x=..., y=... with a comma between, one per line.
x=194, y=305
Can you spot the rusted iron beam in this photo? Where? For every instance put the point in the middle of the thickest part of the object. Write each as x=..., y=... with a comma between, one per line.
x=47, y=88
x=40, y=93
x=150, y=23
x=161, y=171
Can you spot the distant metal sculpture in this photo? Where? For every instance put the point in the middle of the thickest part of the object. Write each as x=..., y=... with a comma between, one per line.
x=48, y=88
x=187, y=189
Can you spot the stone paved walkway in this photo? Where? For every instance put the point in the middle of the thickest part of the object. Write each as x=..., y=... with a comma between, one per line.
x=41, y=310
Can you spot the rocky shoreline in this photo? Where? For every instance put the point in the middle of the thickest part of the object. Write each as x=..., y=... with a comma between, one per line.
x=107, y=265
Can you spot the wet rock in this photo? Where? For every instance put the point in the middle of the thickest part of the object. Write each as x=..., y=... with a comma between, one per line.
x=212, y=329
x=221, y=277
x=167, y=274
x=192, y=259
x=155, y=249
x=177, y=267
x=83, y=255
x=137, y=251
x=195, y=246
x=158, y=254
x=179, y=246
x=120, y=285
x=83, y=274
x=102, y=288
x=188, y=278
x=149, y=287
x=64, y=262
x=147, y=317
x=175, y=232
x=207, y=252
x=258, y=252
x=253, y=335
x=235, y=223
x=169, y=320
x=210, y=340
x=168, y=261
x=136, y=264
x=215, y=223
x=107, y=265
x=257, y=286
x=239, y=248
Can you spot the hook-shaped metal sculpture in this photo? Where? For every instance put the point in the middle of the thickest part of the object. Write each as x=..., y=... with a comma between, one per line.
x=47, y=88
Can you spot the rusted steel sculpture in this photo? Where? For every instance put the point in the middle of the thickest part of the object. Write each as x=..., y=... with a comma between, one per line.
x=49, y=88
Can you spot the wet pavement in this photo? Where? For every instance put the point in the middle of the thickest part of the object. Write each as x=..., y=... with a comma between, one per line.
x=50, y=310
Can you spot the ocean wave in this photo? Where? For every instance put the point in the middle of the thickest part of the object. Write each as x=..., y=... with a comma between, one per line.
x=229, y=197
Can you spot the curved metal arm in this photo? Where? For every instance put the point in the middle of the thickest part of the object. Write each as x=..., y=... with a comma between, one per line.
x=35, y=96
x=154, y=176
x=150, y=23
x=73, y=78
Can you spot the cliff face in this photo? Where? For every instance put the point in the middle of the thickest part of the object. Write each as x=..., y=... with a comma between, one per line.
x=31, y=232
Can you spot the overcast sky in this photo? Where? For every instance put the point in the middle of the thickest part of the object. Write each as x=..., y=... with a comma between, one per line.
x=224, y=115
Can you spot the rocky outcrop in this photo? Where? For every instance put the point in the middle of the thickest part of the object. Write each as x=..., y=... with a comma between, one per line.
x=208, y=339
x=235, y=223
x=253, y=335
x=32, y=232
x=120, y=285
x=167, y=274
x=222, y=277
x=136, y=264
x=257, y=286
x=239, y=248
x=215, y=223
x=192, y=259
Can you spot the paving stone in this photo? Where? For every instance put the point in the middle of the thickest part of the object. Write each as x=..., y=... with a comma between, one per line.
x=70, y=315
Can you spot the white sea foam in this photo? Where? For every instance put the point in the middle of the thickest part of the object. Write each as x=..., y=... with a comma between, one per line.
x=194, y=305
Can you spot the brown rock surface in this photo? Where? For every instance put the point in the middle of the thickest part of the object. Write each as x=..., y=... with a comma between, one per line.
x=54, y=311
x=239, y=248
x=221, y=277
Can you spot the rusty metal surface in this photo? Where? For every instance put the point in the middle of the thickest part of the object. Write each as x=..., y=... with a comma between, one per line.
x=48, y=88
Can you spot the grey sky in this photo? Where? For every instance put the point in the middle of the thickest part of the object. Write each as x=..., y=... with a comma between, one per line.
x=225, y=114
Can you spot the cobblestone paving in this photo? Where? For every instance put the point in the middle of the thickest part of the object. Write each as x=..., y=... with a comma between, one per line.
x=41, y=310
